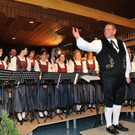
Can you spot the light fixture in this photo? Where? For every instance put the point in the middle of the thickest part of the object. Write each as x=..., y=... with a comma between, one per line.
x=31, y=21
x=97, y=20
x=13, y=38
x=59, y=52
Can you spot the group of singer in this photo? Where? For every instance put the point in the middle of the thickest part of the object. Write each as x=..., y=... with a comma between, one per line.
x=29, y=61
x=41, y=93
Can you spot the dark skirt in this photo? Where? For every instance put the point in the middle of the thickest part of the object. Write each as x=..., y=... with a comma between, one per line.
x=128, y=93
x=70, y=95
x=78, y=93
x=89, y=93
x=21, y=101
x=132, y=90
x=43, y=97
x=4, y=100
x=61, y=96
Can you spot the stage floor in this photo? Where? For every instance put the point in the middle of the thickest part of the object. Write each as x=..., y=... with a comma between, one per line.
x=28, y=127
x=102, y=130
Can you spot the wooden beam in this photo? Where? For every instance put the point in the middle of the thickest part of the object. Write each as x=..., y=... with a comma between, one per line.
x=130, y=43
x=70, y=7
x=130, y=38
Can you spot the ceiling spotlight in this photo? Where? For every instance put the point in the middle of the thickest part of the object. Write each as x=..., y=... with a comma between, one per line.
x=97, y=20
x=31, y=21
x=59, y=52
x=45, y=7
x=13, y=38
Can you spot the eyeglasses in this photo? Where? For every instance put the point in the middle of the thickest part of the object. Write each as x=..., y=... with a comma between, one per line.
x=44, y=54
x=108, y=29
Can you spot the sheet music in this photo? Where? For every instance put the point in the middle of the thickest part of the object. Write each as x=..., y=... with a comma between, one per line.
x=89, y=78
x=76, y=78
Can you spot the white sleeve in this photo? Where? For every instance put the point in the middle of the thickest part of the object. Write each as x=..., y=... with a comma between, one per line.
x=68, y=68
x=56, y=67
x=5, y=59
x=29, y=65
x=53, y=66
x=50, y=67
x=85, y=70
x=128, y=66
x=94, y=46
x=133, y=67
x=13, y=64
x=71, y=66
x=96, y=66
x=5, y=65
x=36, y=66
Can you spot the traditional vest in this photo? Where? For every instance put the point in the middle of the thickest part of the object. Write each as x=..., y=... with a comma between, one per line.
x=2, y=65
x=62, y=70
x=43, y=68
x=108, y=57
x=32, y=64
x=90, y=66
x=78, y=68
x=22, y=65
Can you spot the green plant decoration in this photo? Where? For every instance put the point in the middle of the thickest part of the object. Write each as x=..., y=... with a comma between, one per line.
x=7, y=126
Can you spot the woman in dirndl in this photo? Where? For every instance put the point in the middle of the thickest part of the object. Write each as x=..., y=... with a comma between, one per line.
x=77, y=66
x=89, y=91
x=4, y=95
x=61, y=90
x=20, y=94
x=44, y=92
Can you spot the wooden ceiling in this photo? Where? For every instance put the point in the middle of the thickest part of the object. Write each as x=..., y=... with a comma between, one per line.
x=124, y=8
x=20, y=32
x=52, y=27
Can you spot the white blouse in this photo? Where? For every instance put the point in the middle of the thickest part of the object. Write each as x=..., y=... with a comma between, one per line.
x=71, y=66
x=61, y=66
x=91, y=62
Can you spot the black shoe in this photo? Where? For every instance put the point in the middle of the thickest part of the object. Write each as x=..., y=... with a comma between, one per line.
x=120, y=127
x=93, y=106
x=112, y=130
x=125, y=104
x=21, y=122
x=131, y=103
x=25, y=119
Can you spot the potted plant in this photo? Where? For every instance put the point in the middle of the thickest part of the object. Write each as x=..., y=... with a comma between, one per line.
x=7, y=126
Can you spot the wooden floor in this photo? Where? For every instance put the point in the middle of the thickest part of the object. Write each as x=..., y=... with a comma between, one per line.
x=102, y=130
x=28, y=127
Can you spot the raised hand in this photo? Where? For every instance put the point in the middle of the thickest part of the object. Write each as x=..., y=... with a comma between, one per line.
x=128, y=80
x=75, y=32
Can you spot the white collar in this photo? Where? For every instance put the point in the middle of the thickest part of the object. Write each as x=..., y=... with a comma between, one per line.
x=114, y=39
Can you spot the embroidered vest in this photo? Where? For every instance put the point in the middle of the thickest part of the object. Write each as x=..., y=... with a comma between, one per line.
x=62, y=70
x=108, y=57
x=44, y=68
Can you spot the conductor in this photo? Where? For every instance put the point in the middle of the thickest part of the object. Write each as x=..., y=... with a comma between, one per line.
x=114, y=67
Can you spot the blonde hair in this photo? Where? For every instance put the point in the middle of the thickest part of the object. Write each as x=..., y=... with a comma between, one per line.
x=76, y=51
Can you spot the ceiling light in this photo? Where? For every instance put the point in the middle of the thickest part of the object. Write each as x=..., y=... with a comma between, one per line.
x=13, y=38
x=31, y=21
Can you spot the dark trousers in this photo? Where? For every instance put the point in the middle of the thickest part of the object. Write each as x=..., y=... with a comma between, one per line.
x=113, y=82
